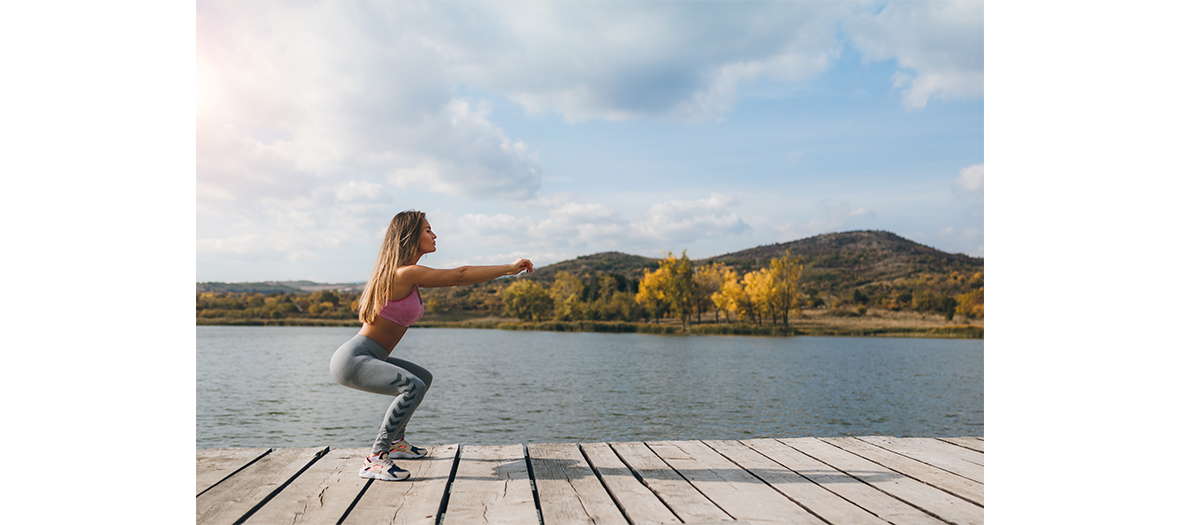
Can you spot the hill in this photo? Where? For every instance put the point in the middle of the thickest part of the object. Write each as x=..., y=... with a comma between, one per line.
x=271, y=287
x=629, y=266
x=846, y=260
x=833, y=262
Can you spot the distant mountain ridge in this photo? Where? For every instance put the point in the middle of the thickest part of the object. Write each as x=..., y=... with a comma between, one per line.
x=278, y=287
x=857, y=258
x=837, y=261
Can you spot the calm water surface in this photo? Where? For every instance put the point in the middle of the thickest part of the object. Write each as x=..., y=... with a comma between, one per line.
x=270, y=387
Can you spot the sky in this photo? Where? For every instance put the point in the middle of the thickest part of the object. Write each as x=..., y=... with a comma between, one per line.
x=550, y=130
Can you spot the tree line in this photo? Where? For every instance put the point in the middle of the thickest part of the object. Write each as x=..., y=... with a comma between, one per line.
x=677, y=289
x=326, y=304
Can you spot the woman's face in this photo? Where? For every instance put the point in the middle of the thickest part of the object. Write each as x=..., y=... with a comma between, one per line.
x=426, y=238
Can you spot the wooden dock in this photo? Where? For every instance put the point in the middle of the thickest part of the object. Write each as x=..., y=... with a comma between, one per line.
x=872, y=480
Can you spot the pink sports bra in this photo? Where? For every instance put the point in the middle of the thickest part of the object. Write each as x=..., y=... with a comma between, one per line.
x=405, y=311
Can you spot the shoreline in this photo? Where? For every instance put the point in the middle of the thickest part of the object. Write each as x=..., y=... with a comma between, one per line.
x=816, y=327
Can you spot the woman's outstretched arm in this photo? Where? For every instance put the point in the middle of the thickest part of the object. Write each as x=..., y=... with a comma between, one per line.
x=427, y=277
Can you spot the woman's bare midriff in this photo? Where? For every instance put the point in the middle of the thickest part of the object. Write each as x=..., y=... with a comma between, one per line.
x=385, y=332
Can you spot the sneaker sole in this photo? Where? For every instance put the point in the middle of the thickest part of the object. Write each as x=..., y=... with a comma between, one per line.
x=369, y=475
x=403, y=455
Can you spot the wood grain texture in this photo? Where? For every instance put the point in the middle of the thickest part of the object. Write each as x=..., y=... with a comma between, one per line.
x=567, y=488
x=933, y=452
x=676, y=492
x=820, y=501
x=214, y=465
x=975, y=444
x=233, y=498
x=934, y=476
x=492, y=486
x=412, y=501
x=870, y=480
x=840, y=483
x=320, y=495
x=932, y=500
x=640, y=505
x=738, y=492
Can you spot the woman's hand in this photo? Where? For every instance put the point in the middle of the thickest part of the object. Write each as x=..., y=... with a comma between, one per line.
x=521, y=265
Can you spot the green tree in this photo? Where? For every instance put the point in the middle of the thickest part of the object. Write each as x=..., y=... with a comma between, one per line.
x=526, y=300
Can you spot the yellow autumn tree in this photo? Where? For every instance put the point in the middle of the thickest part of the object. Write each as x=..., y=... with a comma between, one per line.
x=709, y=279
x=759, y=288
x=669, y=289
x=970, y=304
x=653, y=292
x=566, y=292
x=785, y=272
x=725, y=299
x=526, y=300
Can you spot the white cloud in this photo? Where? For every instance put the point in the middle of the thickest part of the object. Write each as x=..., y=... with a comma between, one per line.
x=460, y=153
x=937, y=45
x=358, y=190
x=966, y=240
x=300, y=96
x=562, y=224
x=685, y=221
x=622, y=60
x=970, y=180
x=833, y=217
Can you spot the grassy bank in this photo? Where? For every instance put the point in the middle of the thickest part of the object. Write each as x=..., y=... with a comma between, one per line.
x=832, y=326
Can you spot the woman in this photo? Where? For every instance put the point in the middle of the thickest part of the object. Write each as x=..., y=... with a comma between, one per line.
x=388, y=306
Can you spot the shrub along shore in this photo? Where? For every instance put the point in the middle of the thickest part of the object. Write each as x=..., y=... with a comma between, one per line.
x=669, y=328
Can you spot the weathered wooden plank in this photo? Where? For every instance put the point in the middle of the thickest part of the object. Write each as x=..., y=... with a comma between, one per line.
x=492, y=486
x=971, y=443
x=640, y=505
x=230, y=500
x=567, y=488
x=852, y=489
x=818, y=500
x=739, y=493
x=676, y=492
x=929, y=450
x=214, y=465
x=950, y=449
x=320, y=495
x=412, y=501
x=964, y=488
x=932, y=500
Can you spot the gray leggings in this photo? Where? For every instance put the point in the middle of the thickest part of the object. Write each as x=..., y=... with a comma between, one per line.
x=359, y=364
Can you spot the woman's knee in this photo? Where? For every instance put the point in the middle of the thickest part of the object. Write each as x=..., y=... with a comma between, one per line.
x=418, y=385
x=426, y=377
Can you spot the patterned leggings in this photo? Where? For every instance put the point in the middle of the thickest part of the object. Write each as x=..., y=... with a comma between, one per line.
x=359, y=364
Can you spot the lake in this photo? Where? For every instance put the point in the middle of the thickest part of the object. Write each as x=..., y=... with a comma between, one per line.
x=270, y=387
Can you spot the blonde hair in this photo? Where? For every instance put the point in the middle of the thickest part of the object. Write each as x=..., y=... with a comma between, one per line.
x=400, y=245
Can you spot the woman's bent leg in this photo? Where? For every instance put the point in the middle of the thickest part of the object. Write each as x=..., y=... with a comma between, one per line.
x=405, y=404
x=358, y=364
